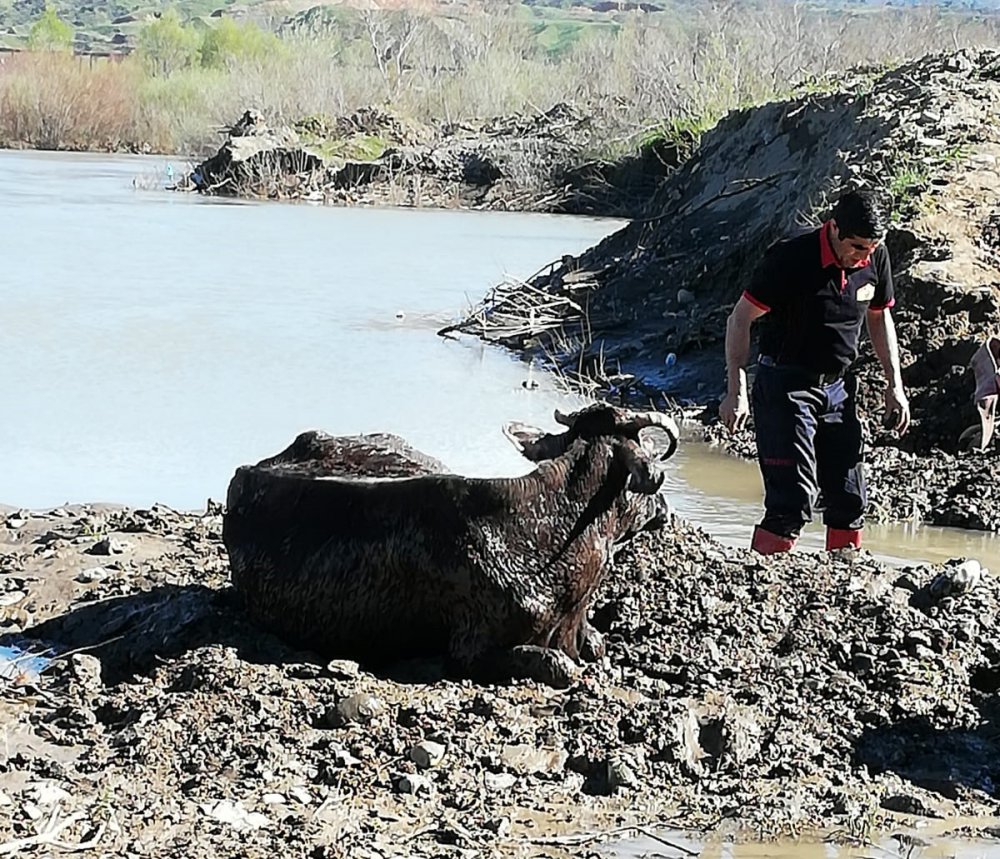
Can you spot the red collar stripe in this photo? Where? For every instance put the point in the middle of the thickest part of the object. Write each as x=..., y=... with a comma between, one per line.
x=756, y=302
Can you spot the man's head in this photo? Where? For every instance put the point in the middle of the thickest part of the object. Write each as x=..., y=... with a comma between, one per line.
x=859, y=225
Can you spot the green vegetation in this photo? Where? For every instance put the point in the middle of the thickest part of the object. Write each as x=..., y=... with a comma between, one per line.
x=647, y=78
x=166, y=46
x=50, y=33
x=911, y=179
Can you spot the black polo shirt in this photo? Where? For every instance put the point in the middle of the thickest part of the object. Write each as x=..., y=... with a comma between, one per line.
x=814, y=307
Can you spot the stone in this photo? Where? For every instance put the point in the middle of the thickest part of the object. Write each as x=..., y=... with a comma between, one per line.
x=427, y=754
x=412, y=784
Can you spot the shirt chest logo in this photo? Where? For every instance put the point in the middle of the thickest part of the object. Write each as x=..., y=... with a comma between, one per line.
x=866, y=292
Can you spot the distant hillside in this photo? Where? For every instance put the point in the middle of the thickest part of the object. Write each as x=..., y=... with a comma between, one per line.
x=111, y=25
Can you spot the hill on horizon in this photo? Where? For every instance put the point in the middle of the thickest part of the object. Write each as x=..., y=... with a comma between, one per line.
x=111, y=25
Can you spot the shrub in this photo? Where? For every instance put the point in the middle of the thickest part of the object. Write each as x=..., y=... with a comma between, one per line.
x=230, y=40
x=165, y=45
x=50, y=33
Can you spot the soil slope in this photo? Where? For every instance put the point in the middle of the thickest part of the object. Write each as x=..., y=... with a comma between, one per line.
x=642, y=315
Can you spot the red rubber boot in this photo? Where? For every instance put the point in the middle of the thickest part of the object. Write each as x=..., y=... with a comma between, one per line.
x=841, y=538
x=767, y=543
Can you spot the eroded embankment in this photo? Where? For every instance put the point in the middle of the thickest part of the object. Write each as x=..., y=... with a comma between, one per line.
x=929, y=132
x=774, y=694
x=539, y=162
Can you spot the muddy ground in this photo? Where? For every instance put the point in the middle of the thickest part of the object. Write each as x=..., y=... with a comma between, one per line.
x=762, y=697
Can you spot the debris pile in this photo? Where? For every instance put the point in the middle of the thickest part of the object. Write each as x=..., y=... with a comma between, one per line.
x=532, y=162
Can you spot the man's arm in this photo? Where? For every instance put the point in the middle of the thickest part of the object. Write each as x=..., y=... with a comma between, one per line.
x=882, y=330
x=735, y=408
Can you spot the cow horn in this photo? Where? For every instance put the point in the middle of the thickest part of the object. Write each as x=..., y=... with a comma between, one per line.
x=642, y=420
x=564, y=419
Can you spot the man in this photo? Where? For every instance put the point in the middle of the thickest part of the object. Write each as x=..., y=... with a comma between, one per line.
x=812, y=293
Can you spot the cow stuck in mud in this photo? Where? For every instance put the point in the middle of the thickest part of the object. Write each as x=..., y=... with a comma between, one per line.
x=363, y=547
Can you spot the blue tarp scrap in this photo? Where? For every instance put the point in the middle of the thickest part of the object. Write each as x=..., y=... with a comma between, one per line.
x=25, y=663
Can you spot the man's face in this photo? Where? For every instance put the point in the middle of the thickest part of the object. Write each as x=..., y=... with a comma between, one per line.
x=852, y=251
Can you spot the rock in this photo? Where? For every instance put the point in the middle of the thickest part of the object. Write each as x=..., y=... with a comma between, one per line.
x=92, y=575
x=908, y=804
x=342, y=757
x=235, y=815
x=527, y=760
x=955, y=581
x=87, y=671
x=300, y=794
x=427, y=754
x=343, y=669
x=501, y=782
x=12, y=598
x=360, y=708
x=620, y=776
x=413, y=784
x=959, y=63
x=862, y=662
x=109, y=546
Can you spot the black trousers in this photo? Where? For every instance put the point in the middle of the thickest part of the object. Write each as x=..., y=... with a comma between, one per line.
x=809, y=447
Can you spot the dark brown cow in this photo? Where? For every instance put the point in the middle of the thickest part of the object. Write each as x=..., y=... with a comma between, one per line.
x=331, y=553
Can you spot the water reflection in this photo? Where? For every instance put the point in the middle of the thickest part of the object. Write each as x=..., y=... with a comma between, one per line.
x=723, y=495
x=153, y=342
x=930, y=839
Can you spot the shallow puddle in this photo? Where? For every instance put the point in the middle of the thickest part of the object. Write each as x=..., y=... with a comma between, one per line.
x=722, y=494
x=929, y=840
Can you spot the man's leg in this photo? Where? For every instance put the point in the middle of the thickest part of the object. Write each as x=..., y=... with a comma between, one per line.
x=785, y=427
x=839, y=455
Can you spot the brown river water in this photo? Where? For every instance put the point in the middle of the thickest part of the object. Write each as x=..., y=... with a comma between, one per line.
x=155, y=341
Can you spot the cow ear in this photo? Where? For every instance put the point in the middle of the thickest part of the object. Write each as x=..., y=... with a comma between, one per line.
x=521, y=435
x=643, y=475
x=534, y=444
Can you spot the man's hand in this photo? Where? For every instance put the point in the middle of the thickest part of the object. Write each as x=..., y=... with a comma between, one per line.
x=898, y=406
x=734, y=411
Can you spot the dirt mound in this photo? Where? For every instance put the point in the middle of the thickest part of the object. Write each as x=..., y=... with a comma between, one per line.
x=535, y=162
x=777, y=693
x=256, y=160
x=648, y=305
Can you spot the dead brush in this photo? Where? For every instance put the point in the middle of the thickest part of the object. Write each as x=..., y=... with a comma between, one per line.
x=58, y=101
x=515, y=310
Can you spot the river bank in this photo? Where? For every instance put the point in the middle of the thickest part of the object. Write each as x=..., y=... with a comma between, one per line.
x=532, y=162
x=641, y=316
x=736, y=689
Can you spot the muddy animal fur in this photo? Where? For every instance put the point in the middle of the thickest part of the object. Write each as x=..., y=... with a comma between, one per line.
x=383, y=568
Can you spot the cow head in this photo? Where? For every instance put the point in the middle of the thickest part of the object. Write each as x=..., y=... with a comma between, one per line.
x=642, y=441
x=595, y=421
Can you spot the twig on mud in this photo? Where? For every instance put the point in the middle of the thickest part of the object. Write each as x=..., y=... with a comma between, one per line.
x=580, y=840
x=747, y=185
x=86, y=647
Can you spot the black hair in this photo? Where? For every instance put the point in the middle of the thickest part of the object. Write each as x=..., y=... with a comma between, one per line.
x=861, y=214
